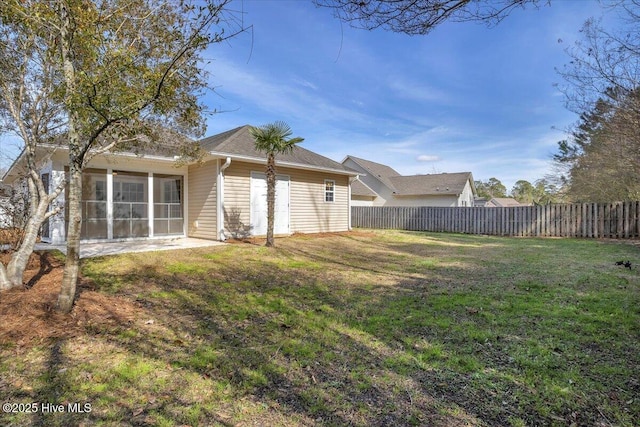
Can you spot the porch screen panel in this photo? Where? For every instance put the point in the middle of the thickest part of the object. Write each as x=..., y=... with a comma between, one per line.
x=168, y=205
x=94, y=204
x=130, y=205
x=45, y=230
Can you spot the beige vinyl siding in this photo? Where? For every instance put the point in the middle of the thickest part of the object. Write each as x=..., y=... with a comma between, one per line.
x=202, y=201
x=237, y=198
x=385, y=195
x=466, y=197
x=309, y=213
x=362, y=200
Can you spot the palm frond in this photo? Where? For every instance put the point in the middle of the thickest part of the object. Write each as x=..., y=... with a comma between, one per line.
x=274, y=138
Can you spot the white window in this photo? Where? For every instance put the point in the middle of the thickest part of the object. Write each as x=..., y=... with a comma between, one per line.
x=329, y=190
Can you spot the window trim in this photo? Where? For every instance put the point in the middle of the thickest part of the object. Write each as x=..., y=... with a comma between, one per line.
x=331, y=192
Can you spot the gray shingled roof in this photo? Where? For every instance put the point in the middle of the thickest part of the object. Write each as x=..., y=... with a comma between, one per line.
x=239, y=142
x=377, y=170
x=434, y=184
x=416, y=185
x=359, y=188
x=504, y=202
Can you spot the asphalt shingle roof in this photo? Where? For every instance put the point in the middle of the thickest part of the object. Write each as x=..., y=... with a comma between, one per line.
x=433, y=184
x=239, y=142
x=504, y=202
x=415, y=185
x=359, y=188
x=377, y=170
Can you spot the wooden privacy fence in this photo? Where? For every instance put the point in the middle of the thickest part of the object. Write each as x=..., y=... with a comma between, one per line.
x=613, y=220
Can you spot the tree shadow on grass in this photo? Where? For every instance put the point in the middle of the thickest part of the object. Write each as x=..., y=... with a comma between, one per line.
x=54, y=408
x=295, y=346
x=276, y=340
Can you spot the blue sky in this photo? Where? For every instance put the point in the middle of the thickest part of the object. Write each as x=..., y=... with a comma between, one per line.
x=462, y=98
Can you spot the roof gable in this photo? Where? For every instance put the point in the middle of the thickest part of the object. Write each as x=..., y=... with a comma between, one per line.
x=377, y=170
x=359, y=188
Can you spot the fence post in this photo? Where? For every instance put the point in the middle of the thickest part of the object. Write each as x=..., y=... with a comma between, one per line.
x=539, y=211
x=614, y=220
x=627, y=208
x=637, y=225
x=583, y=225
x=595, y=219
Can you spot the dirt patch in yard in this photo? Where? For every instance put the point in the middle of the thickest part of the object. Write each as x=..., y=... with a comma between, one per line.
x=28, y=316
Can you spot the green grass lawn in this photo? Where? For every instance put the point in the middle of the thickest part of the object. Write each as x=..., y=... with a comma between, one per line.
x=368, y=329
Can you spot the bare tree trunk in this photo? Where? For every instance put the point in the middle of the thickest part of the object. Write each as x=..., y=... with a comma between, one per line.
x=4, y=278
x=19, y=260
x=271, y=198
x=76, y=154
x=11, y=276
x=72, y=264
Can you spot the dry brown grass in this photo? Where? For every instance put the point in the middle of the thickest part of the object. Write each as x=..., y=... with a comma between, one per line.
x=28, y=316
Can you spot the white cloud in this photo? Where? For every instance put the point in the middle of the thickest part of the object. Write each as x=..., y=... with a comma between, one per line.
x=276, y=96
x=417, y=91
x=352, y=92
x=305, y=83
x=427, y=158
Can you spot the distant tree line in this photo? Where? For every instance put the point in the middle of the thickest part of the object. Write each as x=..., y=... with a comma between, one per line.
x=541, y=192
x=600, y=159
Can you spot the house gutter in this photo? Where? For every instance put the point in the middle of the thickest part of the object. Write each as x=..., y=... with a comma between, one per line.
x=220, y=197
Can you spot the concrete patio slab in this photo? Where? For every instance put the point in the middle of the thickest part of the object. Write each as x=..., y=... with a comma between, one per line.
x=90, y=250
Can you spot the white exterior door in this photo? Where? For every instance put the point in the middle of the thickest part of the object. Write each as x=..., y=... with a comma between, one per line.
x=259, y=204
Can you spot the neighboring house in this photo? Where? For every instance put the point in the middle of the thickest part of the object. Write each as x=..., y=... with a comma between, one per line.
x=362, y=195
x=480, y=202
x=392, y=189
x=129, y=196
x=503, y=202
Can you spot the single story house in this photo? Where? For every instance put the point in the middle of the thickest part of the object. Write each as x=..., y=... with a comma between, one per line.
x=381, y=185
x=130, y=196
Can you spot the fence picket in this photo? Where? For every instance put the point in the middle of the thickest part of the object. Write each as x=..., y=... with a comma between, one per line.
x=616, y=220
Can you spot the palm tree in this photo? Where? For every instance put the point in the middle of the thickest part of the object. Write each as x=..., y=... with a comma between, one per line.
x=273, y=138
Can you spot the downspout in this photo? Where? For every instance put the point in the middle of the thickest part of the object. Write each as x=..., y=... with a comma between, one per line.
x=220, y=185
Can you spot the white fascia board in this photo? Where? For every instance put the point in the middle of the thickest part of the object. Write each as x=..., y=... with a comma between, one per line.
x=13, y=165
x=119, y=154
x=425, y=194
x=250, y=159
x=137, y=156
